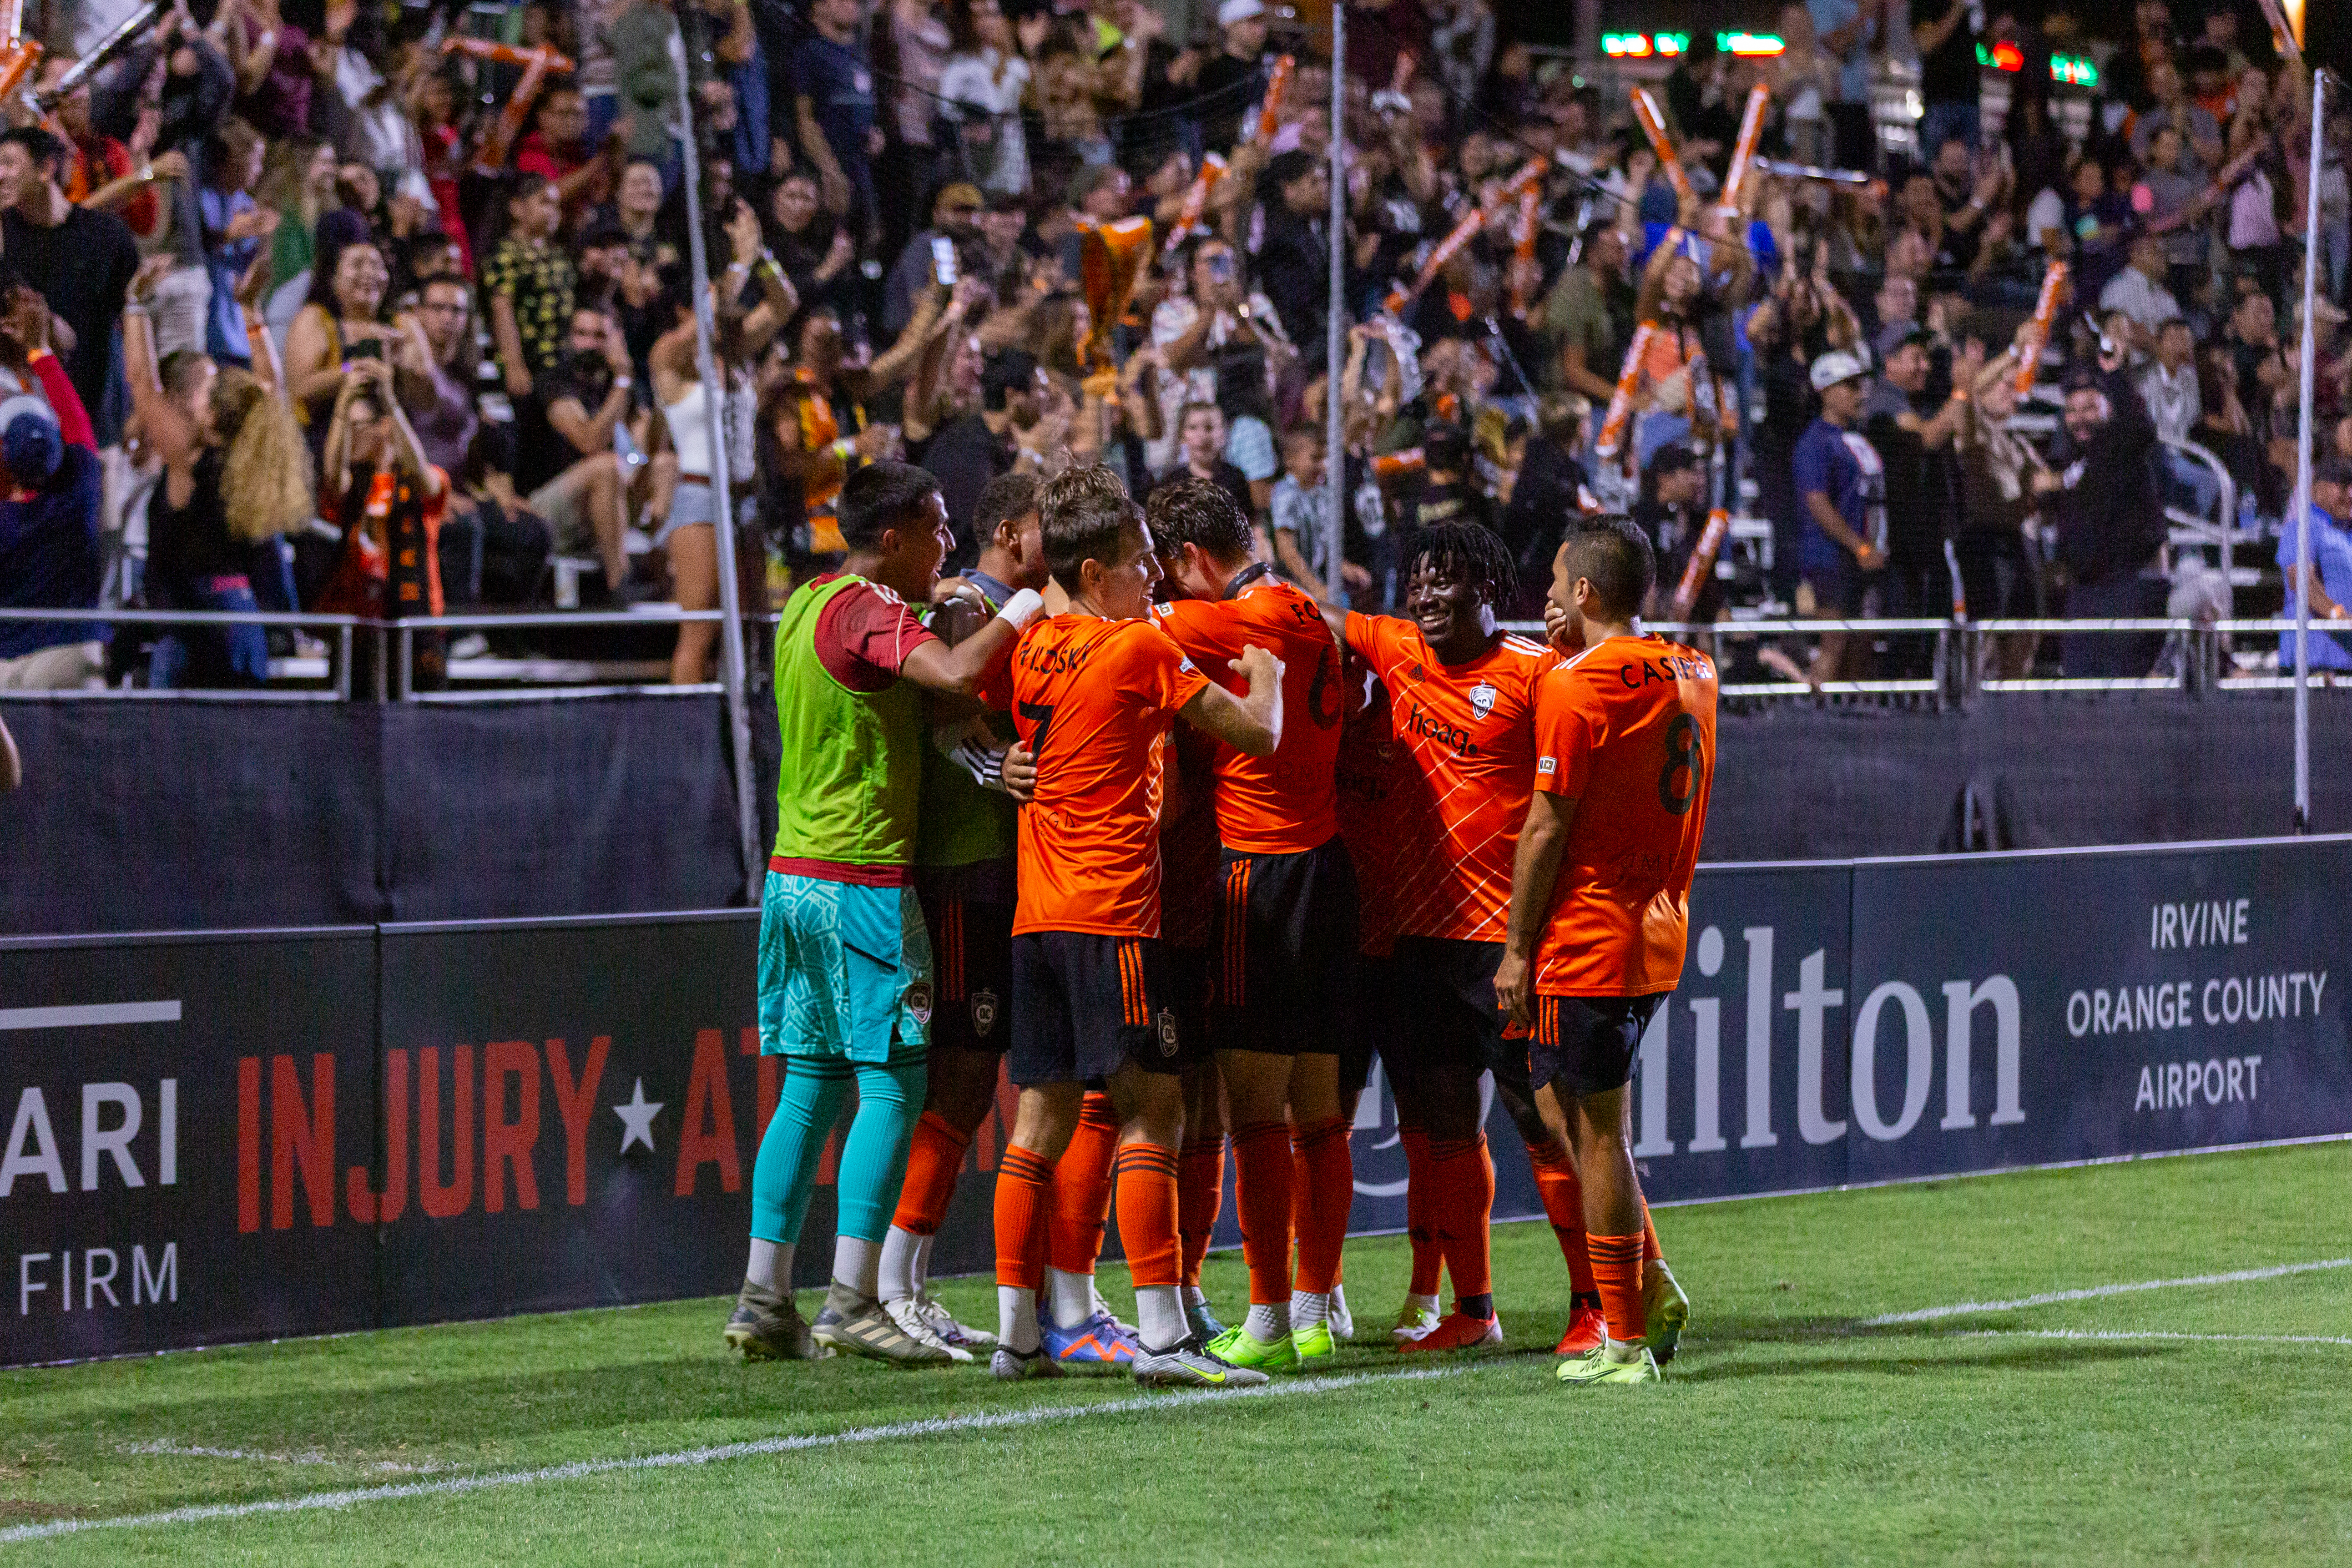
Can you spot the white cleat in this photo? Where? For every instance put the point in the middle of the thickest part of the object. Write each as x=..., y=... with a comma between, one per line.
x=1342, y=1322
x=909, y=1316
x=957, y=1336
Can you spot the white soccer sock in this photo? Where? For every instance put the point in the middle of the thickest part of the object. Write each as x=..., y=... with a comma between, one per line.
x=1308, y=1308
x=1268, y=1320
x=1420, y=1303
x=1073, y=1296
x=857, y=1264
x=900, y=1251
x=920, y=1271
x=771, y=1264
x=1160, y=1316
x=1195, y=1297
x=1016, y=1317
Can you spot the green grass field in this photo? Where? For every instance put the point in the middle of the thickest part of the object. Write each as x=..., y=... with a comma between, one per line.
x=2186, y=1422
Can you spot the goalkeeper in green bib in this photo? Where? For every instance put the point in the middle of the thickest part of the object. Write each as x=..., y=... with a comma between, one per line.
x=845, y=981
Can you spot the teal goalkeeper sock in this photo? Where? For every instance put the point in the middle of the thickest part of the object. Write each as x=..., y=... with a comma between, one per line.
x=785, y=1172
x=874, y=1155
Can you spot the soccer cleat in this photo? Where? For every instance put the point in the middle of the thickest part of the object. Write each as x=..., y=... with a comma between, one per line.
x=1237, y=1347
x=854, y=1324
x=909, y=1315
x=1102, y=1309
x=1666, y=1310
x=1457, y=1331
x=768, y=1326
x=1185, y=1364
x=1599, y=1366
x=1203, y=1322
x=1416, y=1318
x=1096, y=1342
x=954, y=1335
x=1312, y=1342
x=1009, y=1365
x=1343, y=1321
x=1586, y=1330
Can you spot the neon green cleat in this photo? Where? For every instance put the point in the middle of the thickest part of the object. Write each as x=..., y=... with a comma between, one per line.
x=1667, y=1310
x=1312, y=1343
x=1600, y=1366
x=1237, y=1347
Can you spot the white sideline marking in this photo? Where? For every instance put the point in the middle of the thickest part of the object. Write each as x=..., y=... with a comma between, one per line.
x=932, y=1427
x=164, y=1446
x=2050, y=1297
x=2153, y=1334
x=89, y=1016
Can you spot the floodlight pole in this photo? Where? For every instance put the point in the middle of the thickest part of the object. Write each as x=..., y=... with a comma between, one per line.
x=714, y=399
x=2311, y=256
x=1335, y=333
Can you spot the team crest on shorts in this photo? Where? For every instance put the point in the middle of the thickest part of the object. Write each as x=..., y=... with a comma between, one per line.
x=1168, y=1031
x=918, y=1000
x=984, y=1011
x=1481, y=699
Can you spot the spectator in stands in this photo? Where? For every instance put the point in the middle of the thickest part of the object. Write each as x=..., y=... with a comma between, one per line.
x=1201, y=448
x=973, y=449
x=236, y=477
x=235, y=228
x=2110, y=528
x=343, y=320
x=1672, y=511
x=530, y=281
x=1842, y=485
x=1294, y=255
x=1912, y=433
x=81, y=259
x=835, y=113
x=1590, y=315
x=2138, y=293
x=955, y=218
x=378, y=488
x=2329, y=582
x=50, y=557
x=1999, y=577
x=1234, y=77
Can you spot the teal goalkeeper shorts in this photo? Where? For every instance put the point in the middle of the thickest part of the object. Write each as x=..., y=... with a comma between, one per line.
x=845, y=969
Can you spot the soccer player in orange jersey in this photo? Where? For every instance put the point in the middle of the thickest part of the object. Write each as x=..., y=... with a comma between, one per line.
x=1601, y=897
x=1094, y=692
x=1282, y=978
x=1462, y=693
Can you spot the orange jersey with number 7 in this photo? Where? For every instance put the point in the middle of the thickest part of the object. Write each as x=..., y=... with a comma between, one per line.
x=1093, y=701
x=1625, y=730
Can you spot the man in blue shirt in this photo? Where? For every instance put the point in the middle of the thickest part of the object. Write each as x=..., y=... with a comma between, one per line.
x=833, y=97
x=2331, y=566
x=49, y=553
x=1842, y=486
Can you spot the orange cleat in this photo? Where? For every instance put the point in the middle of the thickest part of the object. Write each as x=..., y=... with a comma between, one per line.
x=1457, y=1331
x=1586, y=1330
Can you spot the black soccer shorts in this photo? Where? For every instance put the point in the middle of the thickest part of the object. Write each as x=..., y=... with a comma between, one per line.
x=1586, y=1045
x=1283, y=948
x=1445, y=1012
x=971, y=956
x=1085, y=1005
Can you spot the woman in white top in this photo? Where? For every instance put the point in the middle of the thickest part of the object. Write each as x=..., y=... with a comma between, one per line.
x=690, y=529
x=986, y=73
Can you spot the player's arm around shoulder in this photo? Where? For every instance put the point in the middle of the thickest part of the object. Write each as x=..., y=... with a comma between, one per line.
x=1250, y=723
x=959, y=670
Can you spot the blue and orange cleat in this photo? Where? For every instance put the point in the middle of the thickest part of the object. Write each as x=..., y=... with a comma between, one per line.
x=1098, y=1343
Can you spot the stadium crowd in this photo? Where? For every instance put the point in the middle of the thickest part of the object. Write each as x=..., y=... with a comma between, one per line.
x=360, y=312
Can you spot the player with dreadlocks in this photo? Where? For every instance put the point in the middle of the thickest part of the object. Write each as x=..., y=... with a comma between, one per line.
x=1462, y=694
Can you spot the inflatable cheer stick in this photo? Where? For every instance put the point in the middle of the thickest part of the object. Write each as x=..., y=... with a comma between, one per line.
x=1702, y=561
x=1524, y=251
x=1751, y=126
x=1620, y=402
x=1276, y=84
x=2045, y=310
x=1111, y=258
x=1462, y=232
x=537, y=63
x=1653, y=126
x=1196, y=201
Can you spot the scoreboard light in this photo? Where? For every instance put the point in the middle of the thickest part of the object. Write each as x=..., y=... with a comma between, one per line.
x=2073, y=71
x=1668, y=45
x=2003, y=56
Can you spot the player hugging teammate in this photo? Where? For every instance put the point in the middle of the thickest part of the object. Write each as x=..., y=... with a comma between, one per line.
x=1525, y=819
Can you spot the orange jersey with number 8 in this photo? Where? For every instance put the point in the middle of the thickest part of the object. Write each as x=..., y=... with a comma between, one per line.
x=1093, y=700
x=1626, y=729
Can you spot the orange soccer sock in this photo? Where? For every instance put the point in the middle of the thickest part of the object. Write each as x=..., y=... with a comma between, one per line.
x=933, y=1159
x=1427, y=1260
x=1082, y=1188
x=1324, y=1173
x=1651, y=1251
x=1021, y=1178
x=1148, y=1214
x=1262, y=1190
x=1563, y=1202
x=1200, y=1194
x=1462, y=1205
x=1617, y=1265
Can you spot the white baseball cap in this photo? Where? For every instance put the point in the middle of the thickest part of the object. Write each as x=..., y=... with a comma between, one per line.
x=1234, y=11
x=1835, y=367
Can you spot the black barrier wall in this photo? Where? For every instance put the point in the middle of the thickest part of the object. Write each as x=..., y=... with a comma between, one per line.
x=230, y=1137
x=168, y=815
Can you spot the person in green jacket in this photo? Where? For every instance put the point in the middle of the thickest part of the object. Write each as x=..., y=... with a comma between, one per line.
x=845, y=974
